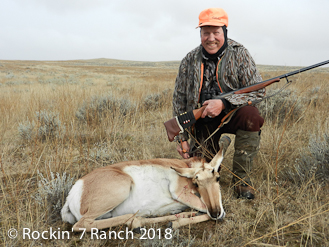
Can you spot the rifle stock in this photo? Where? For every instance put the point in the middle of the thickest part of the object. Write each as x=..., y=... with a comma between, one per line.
x=176, y=125
x=172, y=128
x=198, y=112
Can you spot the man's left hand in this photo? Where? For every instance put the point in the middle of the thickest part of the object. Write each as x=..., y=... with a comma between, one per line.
x=213, y=108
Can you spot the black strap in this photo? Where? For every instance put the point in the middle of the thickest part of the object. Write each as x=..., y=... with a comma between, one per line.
x=186, y=119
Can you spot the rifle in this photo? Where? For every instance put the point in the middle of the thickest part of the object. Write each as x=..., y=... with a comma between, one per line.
x=177, y=124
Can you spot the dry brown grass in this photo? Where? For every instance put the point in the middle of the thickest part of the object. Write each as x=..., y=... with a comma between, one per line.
x=285, y=212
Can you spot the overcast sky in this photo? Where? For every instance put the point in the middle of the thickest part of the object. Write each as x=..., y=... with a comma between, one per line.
x=276, y=32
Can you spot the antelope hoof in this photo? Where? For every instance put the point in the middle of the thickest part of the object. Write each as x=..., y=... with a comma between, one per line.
x=137, y=230
x=174, y=225
x=169, y=225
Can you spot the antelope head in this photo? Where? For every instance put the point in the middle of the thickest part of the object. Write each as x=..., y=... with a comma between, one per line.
x=206, y=180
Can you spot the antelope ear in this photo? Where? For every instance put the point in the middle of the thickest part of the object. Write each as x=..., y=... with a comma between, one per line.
x=186, y=172
x=224, y=142
x=217, y=160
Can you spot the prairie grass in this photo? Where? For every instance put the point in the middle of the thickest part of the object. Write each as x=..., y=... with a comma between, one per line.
x=62, y=119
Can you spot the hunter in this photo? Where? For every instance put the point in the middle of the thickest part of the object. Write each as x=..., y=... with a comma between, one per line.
x=216, y=66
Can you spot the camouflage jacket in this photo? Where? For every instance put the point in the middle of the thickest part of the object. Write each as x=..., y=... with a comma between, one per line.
x=235, y=70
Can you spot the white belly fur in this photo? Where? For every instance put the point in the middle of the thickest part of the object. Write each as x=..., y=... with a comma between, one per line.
x=150, y=194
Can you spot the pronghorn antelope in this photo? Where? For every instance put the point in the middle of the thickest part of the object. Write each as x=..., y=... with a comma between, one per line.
x=127, y=192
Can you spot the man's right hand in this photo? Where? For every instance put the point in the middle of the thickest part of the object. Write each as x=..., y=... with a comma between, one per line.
x=183, y=148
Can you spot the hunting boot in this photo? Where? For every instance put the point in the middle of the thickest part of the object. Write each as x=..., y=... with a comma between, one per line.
x=246, y=147
x=224, y=143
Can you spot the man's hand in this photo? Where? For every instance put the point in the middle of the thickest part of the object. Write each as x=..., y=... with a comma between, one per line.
x=213, y=108
x=183, y=148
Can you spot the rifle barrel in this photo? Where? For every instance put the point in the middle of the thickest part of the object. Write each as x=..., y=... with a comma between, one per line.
x=303, y=69
x=268, y=82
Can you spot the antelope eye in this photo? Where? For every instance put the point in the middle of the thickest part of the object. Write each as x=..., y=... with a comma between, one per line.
x=217, y=179
x=195, y=183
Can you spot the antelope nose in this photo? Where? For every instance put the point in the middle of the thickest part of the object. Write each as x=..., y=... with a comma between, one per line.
x=214, y=215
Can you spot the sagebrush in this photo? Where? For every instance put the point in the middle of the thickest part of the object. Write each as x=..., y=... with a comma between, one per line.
x=62, y=119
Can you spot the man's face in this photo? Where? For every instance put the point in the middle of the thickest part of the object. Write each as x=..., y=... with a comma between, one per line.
x=212, y=38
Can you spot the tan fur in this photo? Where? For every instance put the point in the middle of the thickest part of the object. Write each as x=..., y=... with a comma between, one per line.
x=98, y=202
